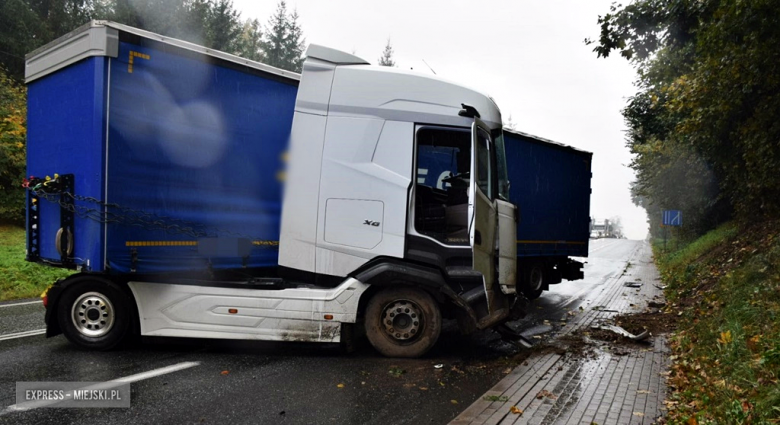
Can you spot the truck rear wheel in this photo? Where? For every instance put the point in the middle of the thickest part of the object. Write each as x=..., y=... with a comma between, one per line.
x=402, y=322
x=94, y=314
x=533, y=280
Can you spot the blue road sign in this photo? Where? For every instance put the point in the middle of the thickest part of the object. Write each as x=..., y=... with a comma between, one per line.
x=672, y=218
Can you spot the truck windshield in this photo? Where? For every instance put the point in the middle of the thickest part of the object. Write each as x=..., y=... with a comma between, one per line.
x=503, y=178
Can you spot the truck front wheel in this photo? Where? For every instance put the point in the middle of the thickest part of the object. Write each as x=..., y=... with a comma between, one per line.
x=402, y=322
x=94, y=314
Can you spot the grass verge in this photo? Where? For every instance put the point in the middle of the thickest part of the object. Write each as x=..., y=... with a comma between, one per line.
x=725, y=287
x=19, y=278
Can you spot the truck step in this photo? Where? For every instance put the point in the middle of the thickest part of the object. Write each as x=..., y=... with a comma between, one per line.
x=474, y=295
x=463, y=275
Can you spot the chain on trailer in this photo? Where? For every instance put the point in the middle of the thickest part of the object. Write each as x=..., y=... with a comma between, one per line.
x=60, y=190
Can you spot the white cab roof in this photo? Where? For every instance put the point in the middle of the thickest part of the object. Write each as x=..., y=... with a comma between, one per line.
x=362, y=90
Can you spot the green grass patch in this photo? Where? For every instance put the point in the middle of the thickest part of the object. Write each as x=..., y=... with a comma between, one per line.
x=19, y=278
x=688, y=253
x=726, y=364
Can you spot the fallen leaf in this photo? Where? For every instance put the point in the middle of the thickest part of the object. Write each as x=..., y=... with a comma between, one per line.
x=340, y=385
x=692, y=421
x=545, y=393
x=454, y=401
x=515, y=410
x=643, y=392
x=638, y=414
x=424, y=388
x=396, y=371
x=224, y=372
x=725, y=338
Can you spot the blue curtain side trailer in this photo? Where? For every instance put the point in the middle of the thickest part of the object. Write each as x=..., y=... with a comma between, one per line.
x=550, y=184
x=153, y=155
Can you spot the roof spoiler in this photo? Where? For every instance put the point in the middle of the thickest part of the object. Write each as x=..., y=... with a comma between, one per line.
x=315, y=51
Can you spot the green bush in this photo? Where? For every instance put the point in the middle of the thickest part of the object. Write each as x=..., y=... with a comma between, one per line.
x=13, y=132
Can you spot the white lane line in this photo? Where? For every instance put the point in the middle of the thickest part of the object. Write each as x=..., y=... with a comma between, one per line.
x=156, y=372
x=24, y=303
x=22, y=334
x=127, y=379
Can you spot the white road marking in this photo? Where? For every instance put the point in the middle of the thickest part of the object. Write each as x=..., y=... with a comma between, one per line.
x=22, y=334
x=24, y=303
x=127, y=379
x=157, y=372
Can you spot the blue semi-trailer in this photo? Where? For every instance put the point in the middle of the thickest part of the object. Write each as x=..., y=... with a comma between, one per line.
x=550, y=184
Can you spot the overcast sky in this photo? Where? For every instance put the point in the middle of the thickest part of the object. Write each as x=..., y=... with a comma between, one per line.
x=529, y=55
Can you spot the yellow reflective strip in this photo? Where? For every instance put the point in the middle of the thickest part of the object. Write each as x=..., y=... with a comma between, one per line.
x=188, y=243
x=132, y=55
x=267, y=243
x=161, y=243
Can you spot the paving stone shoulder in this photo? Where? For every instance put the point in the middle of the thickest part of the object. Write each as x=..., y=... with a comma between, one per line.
x=625, y=386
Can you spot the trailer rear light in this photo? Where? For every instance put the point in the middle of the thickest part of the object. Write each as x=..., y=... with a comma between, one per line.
x=232, y=310
x=328, y=317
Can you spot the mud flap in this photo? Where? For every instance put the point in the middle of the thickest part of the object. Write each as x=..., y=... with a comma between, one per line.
x=351, y=334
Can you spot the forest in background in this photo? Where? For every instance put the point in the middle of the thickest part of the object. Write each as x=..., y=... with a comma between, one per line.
x=703, y=126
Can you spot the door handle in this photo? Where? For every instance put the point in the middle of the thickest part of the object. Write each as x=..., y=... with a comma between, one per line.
x=477, y=238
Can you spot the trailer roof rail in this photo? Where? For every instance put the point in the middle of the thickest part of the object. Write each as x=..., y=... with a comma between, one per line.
x=101, y=38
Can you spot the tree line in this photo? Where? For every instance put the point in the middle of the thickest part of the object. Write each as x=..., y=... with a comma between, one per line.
x=703, y=125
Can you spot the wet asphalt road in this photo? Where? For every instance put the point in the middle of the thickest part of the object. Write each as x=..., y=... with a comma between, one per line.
x=260, y=382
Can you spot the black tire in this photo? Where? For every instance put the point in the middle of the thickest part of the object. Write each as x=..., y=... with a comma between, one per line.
x=533, y=280
x=94, y=314
x=416, y=315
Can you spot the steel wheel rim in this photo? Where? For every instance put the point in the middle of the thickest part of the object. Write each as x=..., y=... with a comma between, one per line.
x=93, y=314
x=402, y=320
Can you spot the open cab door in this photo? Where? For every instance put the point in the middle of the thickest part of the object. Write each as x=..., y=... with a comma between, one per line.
x=482, y=207
x=507, y=222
